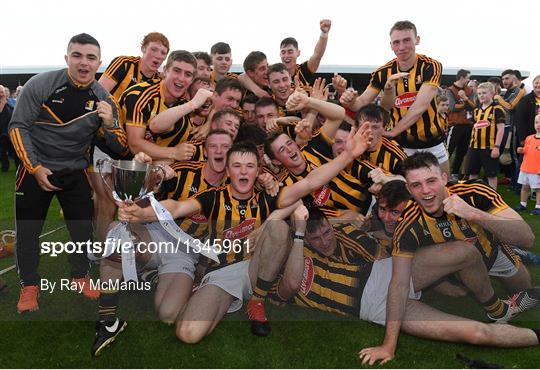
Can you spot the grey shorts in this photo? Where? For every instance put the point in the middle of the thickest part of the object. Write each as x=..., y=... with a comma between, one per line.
x=234, y=279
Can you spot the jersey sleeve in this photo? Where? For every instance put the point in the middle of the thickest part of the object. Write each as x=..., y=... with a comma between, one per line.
x=432, y=72
x=135, y=114
x=406, y=239
x=116, y=70
x=361, y=169
x=305, y=75
x=322, y=144
x=486, y=199
x=378, y=79
x=206, y=199
x=500, y=114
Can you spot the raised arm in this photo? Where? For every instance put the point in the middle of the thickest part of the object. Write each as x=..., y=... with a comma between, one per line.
x=250, y=85
x=315, y=60
x=178, y=209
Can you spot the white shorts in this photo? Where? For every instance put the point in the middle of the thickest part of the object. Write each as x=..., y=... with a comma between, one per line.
x=506, y=264
x=438, y=151
x=171, y=257
x=234, y=279
x=99, y=154
x=373, y=303
x=531, y=179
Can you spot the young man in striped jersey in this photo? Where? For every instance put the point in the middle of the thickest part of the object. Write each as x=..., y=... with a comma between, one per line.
x=410, y=84
x=316, y=275
x=435, y=227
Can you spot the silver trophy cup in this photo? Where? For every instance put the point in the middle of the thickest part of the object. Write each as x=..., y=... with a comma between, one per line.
x=132, y=180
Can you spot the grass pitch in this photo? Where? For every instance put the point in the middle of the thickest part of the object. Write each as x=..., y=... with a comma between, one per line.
x=61, y=332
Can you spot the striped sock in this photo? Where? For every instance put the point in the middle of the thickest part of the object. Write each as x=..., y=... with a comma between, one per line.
x=108, y=302
x=261, y=289
x=495, y=307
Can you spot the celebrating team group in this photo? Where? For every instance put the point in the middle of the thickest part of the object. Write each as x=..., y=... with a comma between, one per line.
x=333, y=199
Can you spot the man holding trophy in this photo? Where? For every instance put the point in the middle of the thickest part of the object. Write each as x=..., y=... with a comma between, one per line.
x=57, y=117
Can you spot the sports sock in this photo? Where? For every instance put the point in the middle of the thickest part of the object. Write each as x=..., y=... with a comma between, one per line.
x=494, y=307
x=261, y=289
x=524, y=204
x=108, y=302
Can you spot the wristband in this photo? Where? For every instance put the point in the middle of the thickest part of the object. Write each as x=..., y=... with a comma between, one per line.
x=324, y=35
x=496, y=146
x=299, y=236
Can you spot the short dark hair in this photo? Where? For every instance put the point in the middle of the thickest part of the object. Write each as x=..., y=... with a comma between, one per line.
x=220, y=48
x=83, y=39
x=181, y=56
x=372, y=112
x=315, y=220
x=268, y=143
x=217, y=131
x=441, y=98
x=253, y=133
x=394, y=192
x=345, y=126
x=462, y=73
x=418, y=160
x=289, y=41
x=495, y=80
x=204, y=56
x=276, y=68
x=265, y=102
x=250, y=98
x=228, y=83
x=226, y=111
x=402, y=26
x=253, y=58
x=513, y=72
x=243, y=147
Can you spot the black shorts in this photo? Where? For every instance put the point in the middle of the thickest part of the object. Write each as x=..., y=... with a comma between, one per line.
x=481, y=158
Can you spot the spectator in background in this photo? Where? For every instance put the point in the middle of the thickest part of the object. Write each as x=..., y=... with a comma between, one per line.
x=10, y=97
x=529, y=175
x=461, y=102
x=497, y=83
x=515, y=91
x=526, y=111
x=6, y=112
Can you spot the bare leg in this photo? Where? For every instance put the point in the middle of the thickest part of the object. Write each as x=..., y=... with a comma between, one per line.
x=427, y=322
x=172, y=293
x=520, y=281
x=434, y=262
x=524, y=195
x=203, y=312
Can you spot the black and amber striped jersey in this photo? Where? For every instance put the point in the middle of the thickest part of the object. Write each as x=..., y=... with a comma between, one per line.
x=345, y=191
x=126, y=72
x=188, y=182
x=485, y=126
x=198, y=154
x=428, y=131
x=305, y=76
x=279, y=176
x=142, y=102
x=353, y=245
x=388, y=156
x=213, y=77
x=231, y=220
x=419, y=229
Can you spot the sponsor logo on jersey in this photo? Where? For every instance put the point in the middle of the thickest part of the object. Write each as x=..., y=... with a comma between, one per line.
x=307, y=277
x=321, y=196
x=481, y=124
x=241, y=230
x=198, y=218
x=405, y=100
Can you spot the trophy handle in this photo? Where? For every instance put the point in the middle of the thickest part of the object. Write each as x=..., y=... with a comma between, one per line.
x=160, y=167
x=99, y=165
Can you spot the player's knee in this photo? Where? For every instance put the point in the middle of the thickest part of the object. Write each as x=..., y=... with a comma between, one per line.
x=277, y=230
x=478, y=334
x=190, y=332
x=167, y=314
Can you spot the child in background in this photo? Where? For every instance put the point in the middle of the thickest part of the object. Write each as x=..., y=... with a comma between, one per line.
x=529, y=174
x=442, y=109
x=487, y=134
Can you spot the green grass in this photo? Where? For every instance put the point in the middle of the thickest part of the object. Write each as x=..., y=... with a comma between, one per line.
x=61, y=332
